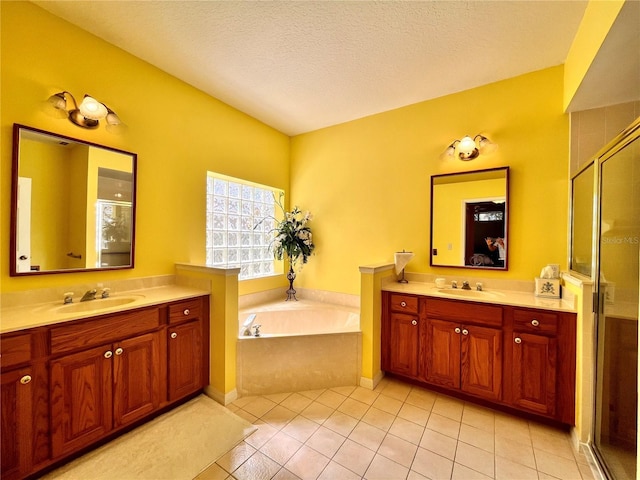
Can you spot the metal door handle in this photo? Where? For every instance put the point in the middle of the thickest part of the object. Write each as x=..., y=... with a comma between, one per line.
x=518, y=340
x=174, y=335
x=457, y=330
x=108, y=354
x=119, y=351
x=414, y=322
x=465, y=331
x=26, y=379
x=186, y=311
x=403, y=304
x=535, y=322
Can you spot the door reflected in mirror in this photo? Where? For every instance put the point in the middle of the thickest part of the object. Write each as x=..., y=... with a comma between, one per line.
x=469, y=219
x=73, y=205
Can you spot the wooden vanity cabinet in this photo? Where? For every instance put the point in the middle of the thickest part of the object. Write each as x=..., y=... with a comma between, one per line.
x=522, y=358
x=23, y=404
x=464, y=347
x=68, y=386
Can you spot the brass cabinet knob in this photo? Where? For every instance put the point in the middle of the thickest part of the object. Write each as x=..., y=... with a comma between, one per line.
x=465, y=331
x=119, y=351
x=174, y=335
x=457, y=330
x=518, y=340
x=186, y=311
x=108, y=354
x=535, y=322
x=414, y=322
x=403, y=304
x=26, y=379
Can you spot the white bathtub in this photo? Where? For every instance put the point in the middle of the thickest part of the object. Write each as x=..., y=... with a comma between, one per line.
x=302, y=345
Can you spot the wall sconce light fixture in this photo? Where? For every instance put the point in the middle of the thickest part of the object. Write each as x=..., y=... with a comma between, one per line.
x=86, y=115
x=469, y=148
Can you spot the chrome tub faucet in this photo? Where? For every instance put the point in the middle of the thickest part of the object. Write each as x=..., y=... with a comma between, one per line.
x=89, y=295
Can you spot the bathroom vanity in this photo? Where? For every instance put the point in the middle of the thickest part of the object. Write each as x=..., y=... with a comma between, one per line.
x=70, y=384
x=497, y=352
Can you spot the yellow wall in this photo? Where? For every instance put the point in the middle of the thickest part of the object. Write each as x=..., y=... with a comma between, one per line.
x=177, y=131
x=367, y=181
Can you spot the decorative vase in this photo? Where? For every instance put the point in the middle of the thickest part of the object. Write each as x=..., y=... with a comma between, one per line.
x=291, y=292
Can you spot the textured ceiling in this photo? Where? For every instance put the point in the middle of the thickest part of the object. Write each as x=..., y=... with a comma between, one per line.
x=303, y=65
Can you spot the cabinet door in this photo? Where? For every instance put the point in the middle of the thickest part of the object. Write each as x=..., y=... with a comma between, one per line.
x=16, y=427
x=534, y=373
x=442, y=362
x=481, y=373
x=185, y=359
x=80, y=399
x=136, y=378
x=403, y=344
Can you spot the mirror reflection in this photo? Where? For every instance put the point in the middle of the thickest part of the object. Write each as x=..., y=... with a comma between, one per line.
x=582, y=192
x=73, y=204
x=469, y=219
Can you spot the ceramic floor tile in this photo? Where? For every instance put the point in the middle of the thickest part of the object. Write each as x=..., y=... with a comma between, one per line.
x=296, y=402
x=382, y=468
x=279, y=416
x=335, y=471
x=378, y=418
x=478, y=419
x=387, y=404
x=317, y=412
x=353, y=408
x=443, y=425
x=325, y=441
x=300, y=428
x=257, y=467
x=476, y=437
x=236, y=457
x=346, y=391
x=307, y=463
x=448, y=407
x=281, y=447
x=398, y=390
x=277, y=397
x=259, y=406
x=552, y=443
x=508, y=470
x=414, y=414
x=556, y=466
x=340, y=423
x=246, y=415
x=421, y=398
x=367, y=435
x=213, y=472
x=398, y=450
x=517, y=452
x=475, y=458
x=331, y=399
x=264, y=432
x=354, y=457
x=460, y=472
x=312, y=394
x=242, y=401
x=409, y=431
x=413, y=475
x=513, y=428
x=432, y=465
x=364, y=395
x=439, y=443
x=284, y=474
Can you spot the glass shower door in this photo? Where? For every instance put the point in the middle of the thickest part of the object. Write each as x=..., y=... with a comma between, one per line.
x=617, y=318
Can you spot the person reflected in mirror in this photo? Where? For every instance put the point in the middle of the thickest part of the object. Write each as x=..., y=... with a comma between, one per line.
x=497, y=245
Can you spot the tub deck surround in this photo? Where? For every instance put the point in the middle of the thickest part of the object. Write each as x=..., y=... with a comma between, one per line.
x=303, y=345
x=19, y=317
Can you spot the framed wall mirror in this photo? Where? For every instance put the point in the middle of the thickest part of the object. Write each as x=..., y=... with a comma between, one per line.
x=72, y=205
x=582, y=195
x=469, y=219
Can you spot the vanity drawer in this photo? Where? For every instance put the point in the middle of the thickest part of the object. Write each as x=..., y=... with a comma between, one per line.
x=15, y=349
x=403, y=303
x=101, y=330
x=185, y=310
x=465, y=312
x=535, y=321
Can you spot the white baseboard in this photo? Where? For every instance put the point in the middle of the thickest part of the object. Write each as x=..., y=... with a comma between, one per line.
x=221, y=398
x=371, y=383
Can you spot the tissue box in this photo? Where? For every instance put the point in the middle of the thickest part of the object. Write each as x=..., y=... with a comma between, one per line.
x=548, y=287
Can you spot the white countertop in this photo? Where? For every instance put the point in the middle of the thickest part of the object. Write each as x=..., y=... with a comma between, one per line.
x=40, y=314
x=498, y=297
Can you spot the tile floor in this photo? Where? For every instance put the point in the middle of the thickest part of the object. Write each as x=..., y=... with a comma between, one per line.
x=397, y=431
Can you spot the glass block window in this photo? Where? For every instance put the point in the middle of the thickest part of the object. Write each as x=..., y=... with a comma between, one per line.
x=240, y=222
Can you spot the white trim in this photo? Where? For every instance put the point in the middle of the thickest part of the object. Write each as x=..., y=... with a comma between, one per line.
x=221, y=398
x=371, y=383
x=382, y=267
x=210, y=270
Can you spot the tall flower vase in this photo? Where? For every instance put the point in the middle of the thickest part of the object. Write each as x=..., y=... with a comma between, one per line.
x=291, y=292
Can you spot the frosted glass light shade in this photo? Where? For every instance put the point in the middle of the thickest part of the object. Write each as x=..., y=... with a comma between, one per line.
x=466, y=145
x=93, y=109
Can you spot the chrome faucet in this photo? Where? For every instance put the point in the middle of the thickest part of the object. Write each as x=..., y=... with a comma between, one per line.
x=479, y=286
x=256, y=330
x=465, y=285
x=89, y=295
x=454, y=284
x=105, y=292
x=68, y=297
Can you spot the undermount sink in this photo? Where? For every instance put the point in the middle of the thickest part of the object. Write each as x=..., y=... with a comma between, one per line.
x=97, y=304
x=458, y=292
